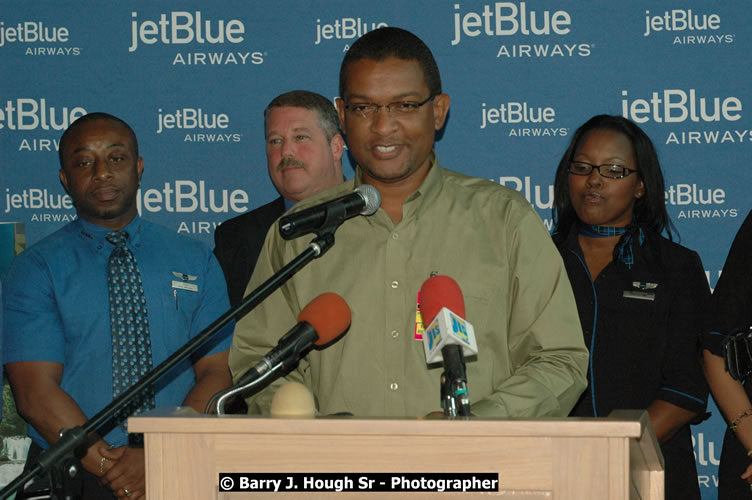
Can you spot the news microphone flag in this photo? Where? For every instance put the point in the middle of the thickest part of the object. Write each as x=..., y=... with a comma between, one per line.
x=448, y=328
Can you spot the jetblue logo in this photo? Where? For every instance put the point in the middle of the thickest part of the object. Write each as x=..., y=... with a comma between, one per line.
x=212, y=127
x=191, y=118
x=36, y=198
x=525, y=114
x=696, y=202
x=516, y=112
x=677, y=105
x=680, y=20
x=687, y=27
x=509, y=18
x=32, y=114
x=692, y=194
x=505, y=19
x=32, y=31
x=188, y=196
x=184, y=27
x=689, y=107
x=346, y=28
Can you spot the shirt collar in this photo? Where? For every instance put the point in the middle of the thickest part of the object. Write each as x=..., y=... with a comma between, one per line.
x=428, y=190
x=96, y=234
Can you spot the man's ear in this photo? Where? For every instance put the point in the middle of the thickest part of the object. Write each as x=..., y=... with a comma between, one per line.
x=337, y=145
x=341, y=112
x=64, y=180
x=440, y=110
x=140, y=168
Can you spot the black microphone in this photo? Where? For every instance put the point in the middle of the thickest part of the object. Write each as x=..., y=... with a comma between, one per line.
x=365, y=200
x=320, y=322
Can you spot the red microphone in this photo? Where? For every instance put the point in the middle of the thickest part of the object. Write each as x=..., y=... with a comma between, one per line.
x=441, y=302
x=438, y=292
x=448, y=338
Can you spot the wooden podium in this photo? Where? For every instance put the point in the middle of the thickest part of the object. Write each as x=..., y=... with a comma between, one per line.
x=559, y=459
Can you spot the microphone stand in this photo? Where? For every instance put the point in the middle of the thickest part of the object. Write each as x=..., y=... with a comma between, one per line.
x=59, y=458
x=455, y=400
x=219, y=400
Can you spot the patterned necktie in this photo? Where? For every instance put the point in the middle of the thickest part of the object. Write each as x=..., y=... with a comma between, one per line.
x=131, y=344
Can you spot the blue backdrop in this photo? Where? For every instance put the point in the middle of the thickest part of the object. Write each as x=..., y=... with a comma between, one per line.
x=193, y=78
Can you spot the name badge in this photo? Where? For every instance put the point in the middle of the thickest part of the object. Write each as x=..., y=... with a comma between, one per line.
x=631, y=294
x=182, y=285
x=184, y=277
x=644, y=285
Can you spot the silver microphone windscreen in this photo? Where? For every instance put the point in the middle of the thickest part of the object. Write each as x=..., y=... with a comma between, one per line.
x=372, y=198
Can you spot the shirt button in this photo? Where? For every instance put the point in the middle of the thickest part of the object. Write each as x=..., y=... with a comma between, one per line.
x=395, y=236
x=393, y=386
x=395, y=284
x=395, y=334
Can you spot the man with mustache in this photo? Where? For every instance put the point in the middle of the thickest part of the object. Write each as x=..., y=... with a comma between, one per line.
x=304, y=156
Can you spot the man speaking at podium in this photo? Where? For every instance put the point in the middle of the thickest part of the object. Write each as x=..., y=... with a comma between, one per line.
x=94, y=306
x=531, y=358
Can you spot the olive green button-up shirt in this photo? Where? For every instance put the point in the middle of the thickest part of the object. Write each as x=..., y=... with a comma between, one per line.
x=531, y=357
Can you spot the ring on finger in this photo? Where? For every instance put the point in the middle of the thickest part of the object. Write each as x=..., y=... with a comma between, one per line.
x=127, y=493
x=101, y=465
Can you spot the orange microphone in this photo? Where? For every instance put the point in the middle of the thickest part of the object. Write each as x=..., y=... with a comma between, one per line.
x=321, y=322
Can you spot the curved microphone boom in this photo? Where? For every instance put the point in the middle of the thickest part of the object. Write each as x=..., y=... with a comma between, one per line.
x=448, y=338
x=321, y=322
x=364, y=200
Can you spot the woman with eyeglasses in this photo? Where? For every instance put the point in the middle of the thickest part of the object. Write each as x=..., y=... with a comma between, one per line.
x=640, y=296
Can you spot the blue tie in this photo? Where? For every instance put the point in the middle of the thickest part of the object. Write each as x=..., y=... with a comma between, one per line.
x=131, y=344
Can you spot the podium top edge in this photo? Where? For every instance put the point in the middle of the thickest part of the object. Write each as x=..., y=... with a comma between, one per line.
x=623, y=423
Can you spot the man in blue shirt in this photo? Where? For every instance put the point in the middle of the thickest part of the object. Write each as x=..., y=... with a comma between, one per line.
x=58, y=342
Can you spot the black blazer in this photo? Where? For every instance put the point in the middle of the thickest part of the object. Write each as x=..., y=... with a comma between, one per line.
x=642, y=326
x=238, y=242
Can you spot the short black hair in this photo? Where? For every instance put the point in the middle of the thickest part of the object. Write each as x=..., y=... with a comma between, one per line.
x=324, y=108
x=90, y=117
x=389, y=41
x=649, y=210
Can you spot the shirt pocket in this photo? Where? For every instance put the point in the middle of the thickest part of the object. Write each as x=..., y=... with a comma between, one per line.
x=178, y=306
